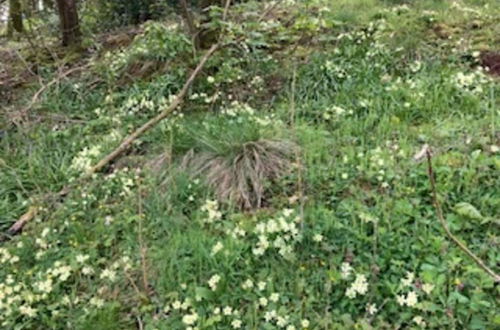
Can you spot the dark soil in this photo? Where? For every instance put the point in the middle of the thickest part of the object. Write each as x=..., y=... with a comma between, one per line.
x=491, y=60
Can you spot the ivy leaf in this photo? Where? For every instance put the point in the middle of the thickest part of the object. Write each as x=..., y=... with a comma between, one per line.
x=468, y=210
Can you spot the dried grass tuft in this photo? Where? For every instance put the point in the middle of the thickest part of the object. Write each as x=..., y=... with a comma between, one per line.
x=241, y=177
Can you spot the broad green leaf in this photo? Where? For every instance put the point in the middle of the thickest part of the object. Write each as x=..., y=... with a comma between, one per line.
x=468, y=210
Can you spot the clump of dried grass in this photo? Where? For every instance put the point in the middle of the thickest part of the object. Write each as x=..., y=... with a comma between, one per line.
x=241, y=176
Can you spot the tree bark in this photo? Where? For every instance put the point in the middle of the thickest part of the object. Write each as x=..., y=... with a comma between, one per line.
x=70, y=27
x=15, y=16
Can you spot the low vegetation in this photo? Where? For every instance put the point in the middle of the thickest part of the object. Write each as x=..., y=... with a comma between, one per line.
x=282, y=194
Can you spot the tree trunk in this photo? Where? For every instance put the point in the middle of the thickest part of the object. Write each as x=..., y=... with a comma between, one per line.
x=15, y=16
x=70, y=27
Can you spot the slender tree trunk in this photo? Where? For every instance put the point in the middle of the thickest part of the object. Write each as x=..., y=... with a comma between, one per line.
x=15, y=16
x=70, y=27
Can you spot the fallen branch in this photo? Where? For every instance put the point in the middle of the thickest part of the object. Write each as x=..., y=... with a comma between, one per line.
x=427, y=151
x=32, y=211
x=30, y=214
x=153, y=121
x=16, y=227
x=127, y=142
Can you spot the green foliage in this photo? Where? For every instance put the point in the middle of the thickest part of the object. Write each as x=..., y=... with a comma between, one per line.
x=158, y=43
x=348, y=239
x=125, y=12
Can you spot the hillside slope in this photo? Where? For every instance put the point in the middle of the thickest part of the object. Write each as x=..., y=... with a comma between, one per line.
x=283, y=194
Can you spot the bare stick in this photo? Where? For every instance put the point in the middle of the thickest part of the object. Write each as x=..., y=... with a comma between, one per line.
x=26, y=217
x=32, y=211
x=226, y=9
x=19, y=224
x=153, y=121
x=440, y=216
x=35, y=97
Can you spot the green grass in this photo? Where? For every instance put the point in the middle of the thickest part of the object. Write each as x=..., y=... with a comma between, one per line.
x=358, y=106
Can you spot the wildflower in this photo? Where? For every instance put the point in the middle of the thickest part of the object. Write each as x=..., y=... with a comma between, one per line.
x=236, y=324
x=210, y=79
x=360, y=285
x=272, y=226
x=427, y=288
x=108, y=220
x=108, y=274
x=190, y=319
x=408, y=280
x=350, y=293
x=261, y=285
x=290, y=327
x=82, y=258
x=66, y=301
x=268, y=316
x=317, y=237
x=213, y=281
x=44, y=286
x=263, y=301
x=27, y=310
x=401, y=300
x=248, y=284
x=227, y=310
x=87, y=270
x=415, y=66
x=345, y=176
x=45, y=232
x=411, y=299
x=216, y=310
x=345, y=270
x=304, y=323
x=419, y=320
x=176, y=304
x=274, y=297
x=281, y=321
x=217, y=247
x=371, y=309
x=97, y=302
x=211, y=207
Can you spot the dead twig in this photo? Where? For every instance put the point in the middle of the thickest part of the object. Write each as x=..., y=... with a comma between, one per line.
x=427, y=151
x=19, y=224
x=30, y=214
x=226, y=9
x=153, y=121
x=32, y=211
